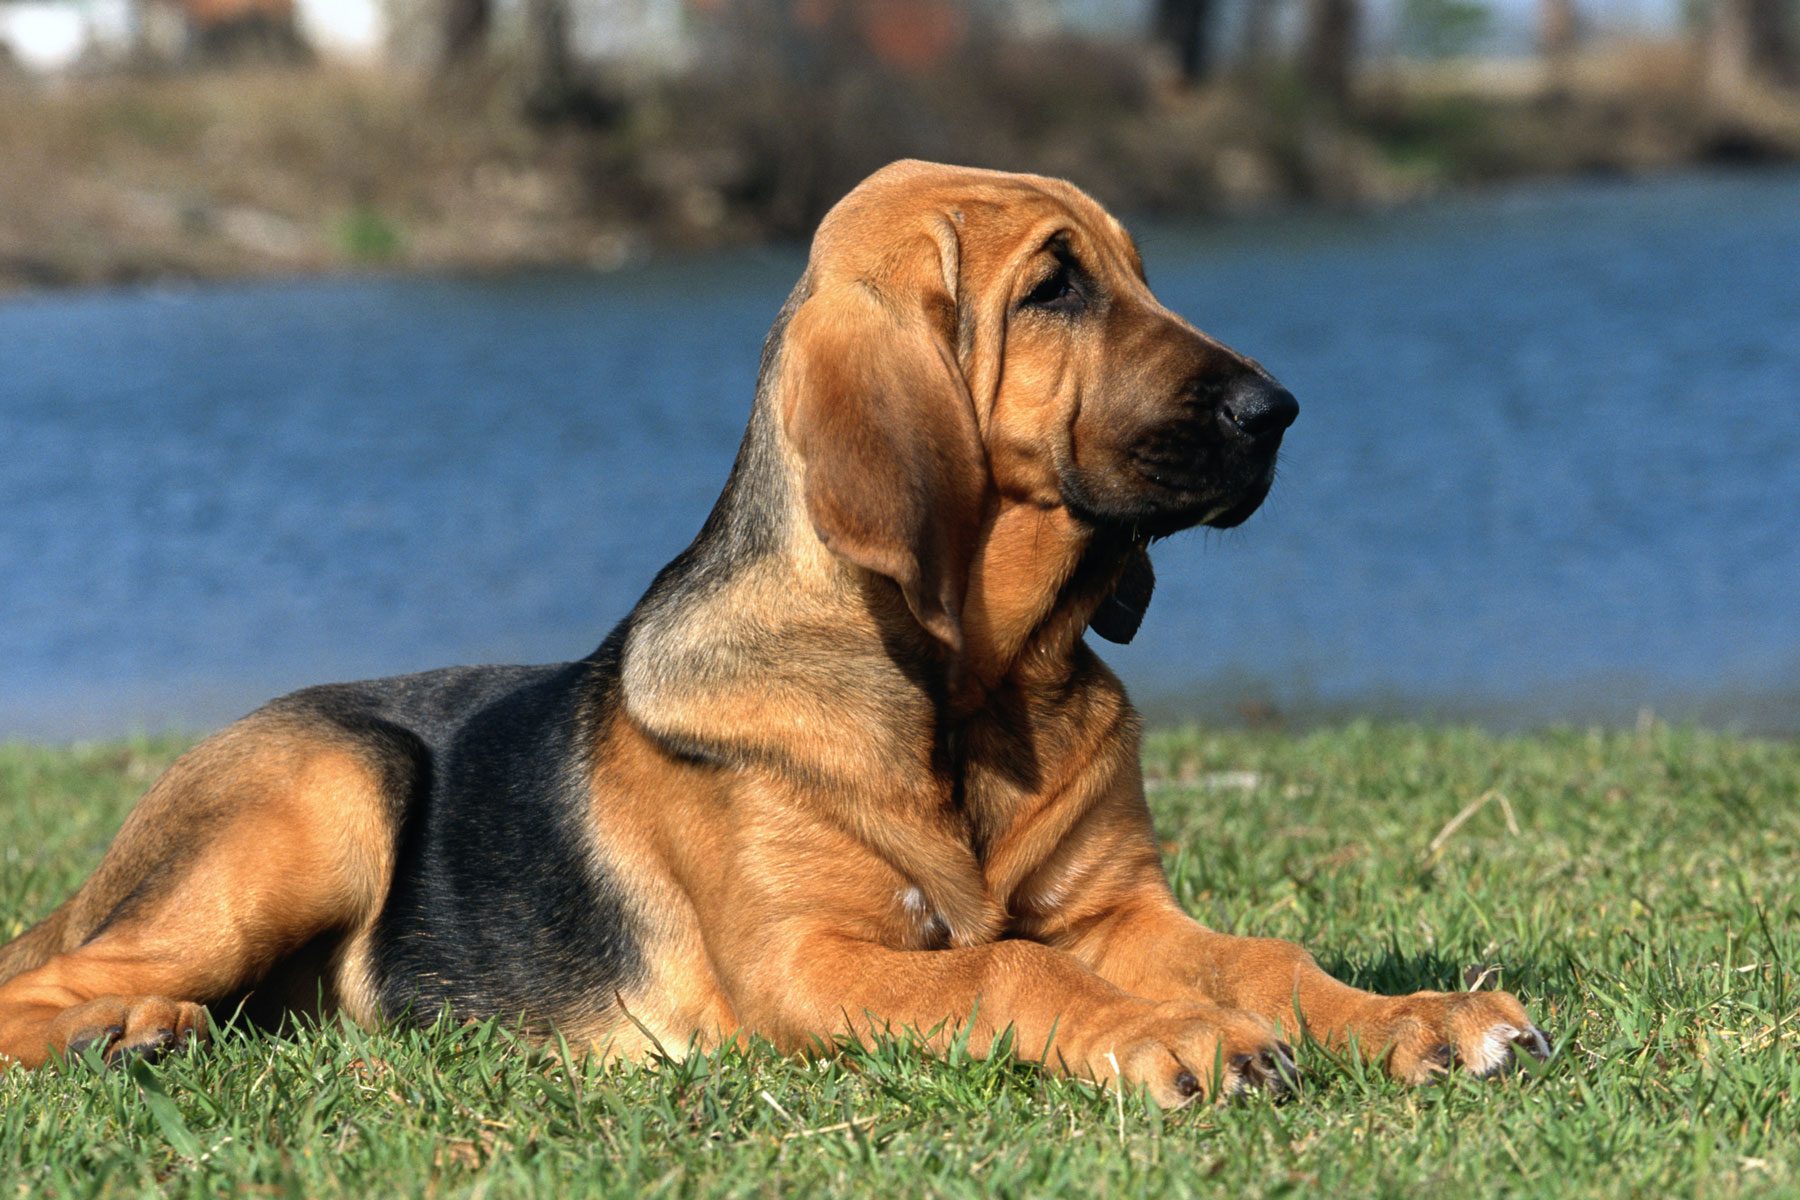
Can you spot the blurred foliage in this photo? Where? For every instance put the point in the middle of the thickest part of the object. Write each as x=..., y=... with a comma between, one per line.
x=775, y=108
x=1446, y=137
x=1443, y=28
x=369, y=237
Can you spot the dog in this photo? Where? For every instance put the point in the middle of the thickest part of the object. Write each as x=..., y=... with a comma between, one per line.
x=848, y=767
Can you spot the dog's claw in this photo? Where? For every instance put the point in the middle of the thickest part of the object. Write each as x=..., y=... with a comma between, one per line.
x=1272, y=1071
x=1534, y=1042
x=1529, y=1041
x=103, y=1038
x=150, y=1049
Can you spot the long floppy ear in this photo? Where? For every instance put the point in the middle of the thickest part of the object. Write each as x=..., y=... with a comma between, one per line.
x=879, y=412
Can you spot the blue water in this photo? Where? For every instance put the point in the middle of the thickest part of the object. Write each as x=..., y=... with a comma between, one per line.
x=1547, y=468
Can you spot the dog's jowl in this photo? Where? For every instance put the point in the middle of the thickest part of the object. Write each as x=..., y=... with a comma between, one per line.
x=850, y=764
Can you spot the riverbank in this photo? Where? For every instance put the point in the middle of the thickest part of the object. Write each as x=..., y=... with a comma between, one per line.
x=297, y=171
x=1635, y=889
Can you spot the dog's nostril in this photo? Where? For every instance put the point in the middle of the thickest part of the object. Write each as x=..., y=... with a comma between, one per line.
x=1260, y=406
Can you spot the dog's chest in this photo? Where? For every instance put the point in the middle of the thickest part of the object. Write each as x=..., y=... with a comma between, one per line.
x=922, y=928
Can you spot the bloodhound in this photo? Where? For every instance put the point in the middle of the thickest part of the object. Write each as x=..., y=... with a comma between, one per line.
x=849, y=766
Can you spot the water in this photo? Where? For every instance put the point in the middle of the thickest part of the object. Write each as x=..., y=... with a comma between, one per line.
x=1547, y=468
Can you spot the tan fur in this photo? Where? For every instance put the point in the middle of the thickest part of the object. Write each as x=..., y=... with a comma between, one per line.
x=872, y=854
x=249, y=846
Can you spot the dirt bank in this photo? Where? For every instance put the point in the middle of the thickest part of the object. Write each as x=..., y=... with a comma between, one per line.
x=283, y=171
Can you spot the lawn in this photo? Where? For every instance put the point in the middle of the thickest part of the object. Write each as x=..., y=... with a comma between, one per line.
x=1637, y=889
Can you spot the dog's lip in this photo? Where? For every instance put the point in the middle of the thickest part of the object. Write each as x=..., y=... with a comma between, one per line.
x=1181, y=504
x=1179, y=476
x=1160, y=521
x=1240, y=512
x=1193, y=489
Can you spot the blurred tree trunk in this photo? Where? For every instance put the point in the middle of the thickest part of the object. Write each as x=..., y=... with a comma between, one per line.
x=1329, y=50
x=548, y=76
x=1185, y=27
x=463, y=27
x=1748, y=45
x=1258, y=34
x=1557, y=31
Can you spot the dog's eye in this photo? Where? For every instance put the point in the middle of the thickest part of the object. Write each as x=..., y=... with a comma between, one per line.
x=1058, y=292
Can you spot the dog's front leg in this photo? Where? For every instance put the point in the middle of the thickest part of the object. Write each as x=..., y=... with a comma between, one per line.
x=1148, y=946
x=831, y=985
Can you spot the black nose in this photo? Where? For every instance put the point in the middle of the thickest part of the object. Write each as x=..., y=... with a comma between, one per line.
x=1259, y=406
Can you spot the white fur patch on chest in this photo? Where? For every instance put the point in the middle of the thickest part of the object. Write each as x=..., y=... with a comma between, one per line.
x=929, y=929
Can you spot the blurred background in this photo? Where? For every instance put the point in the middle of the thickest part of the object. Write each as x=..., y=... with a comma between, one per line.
x=349, y=337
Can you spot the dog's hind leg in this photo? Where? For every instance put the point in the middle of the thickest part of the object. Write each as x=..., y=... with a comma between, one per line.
x=256, y=843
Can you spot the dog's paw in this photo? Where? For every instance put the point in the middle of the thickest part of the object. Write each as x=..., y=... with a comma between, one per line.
x=1180, y=1053
x=1425, y=1035
x=122, y=1027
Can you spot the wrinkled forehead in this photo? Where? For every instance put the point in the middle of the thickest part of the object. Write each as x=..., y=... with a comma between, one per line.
x=994, y=217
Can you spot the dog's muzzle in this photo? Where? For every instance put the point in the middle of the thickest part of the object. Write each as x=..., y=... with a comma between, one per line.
x=1213, y=464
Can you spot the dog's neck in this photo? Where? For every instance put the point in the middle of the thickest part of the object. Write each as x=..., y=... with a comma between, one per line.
x=730, y=618
x=724, y=639
x=1037, y=578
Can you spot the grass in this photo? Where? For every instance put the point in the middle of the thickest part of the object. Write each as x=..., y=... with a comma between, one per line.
x=1645, y=908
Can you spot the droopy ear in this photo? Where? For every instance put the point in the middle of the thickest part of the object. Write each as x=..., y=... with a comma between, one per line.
x=880, y=414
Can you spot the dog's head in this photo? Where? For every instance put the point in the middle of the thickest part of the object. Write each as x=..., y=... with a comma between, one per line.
x=970, y=339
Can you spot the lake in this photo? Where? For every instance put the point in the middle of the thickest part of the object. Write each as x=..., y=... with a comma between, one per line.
x=1547, y=469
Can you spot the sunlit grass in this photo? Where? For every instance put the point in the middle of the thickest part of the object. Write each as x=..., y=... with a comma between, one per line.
x=1638, y=890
